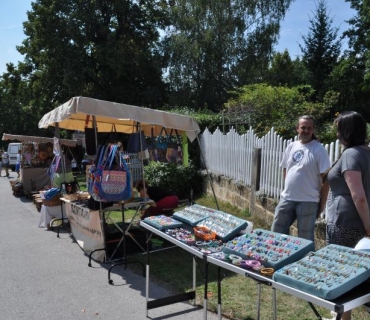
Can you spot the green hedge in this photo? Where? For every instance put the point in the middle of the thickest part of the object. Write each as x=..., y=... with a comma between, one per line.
x=177, y=178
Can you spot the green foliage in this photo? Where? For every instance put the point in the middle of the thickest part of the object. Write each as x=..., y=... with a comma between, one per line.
x=279, y=107
x=101, y=49
x=285, y=72
x=204, y=117
x=212, y=46
x=177, y=178
x=321, y=50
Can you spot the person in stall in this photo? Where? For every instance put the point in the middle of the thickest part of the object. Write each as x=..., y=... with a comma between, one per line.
x=165, y=201
x=28, y=154
x=18, y=163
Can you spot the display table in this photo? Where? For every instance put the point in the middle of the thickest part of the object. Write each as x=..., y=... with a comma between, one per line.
x=190, y=295
x=38, y=175
x=348, y=301
x=47, y=214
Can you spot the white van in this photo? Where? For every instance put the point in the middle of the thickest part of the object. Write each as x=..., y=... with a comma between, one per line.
x=13, y=148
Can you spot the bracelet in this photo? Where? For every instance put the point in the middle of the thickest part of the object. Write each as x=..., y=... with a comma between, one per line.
x=267, y=271
x=235, y=259
x=250, y=264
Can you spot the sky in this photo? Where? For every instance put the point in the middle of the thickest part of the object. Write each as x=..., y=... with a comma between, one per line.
x=296, y=23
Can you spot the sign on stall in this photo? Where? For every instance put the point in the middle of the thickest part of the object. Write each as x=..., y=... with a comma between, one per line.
x=80, y=138
x=86, y=229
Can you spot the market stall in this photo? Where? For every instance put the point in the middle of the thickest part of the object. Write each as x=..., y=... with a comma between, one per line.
x=36, y=154
x=84, y=114
x=72, y=116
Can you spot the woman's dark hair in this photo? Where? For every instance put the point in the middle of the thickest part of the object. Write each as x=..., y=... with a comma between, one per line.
x=351, y=129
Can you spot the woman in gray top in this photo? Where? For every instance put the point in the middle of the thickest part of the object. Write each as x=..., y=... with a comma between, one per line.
x=348, y=217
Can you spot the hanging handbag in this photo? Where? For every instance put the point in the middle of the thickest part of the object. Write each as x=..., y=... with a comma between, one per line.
x=161, y=144
x=93, y=171
x=113, y=135
x=173, y=152
x=58, y=178
x=53, y=167
x=136, y=142
x=113, y=185
x=151, y=147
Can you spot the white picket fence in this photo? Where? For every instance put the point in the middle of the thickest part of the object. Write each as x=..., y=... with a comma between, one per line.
x=231, y=155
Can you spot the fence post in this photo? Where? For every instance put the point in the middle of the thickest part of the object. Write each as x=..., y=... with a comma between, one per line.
x=256, y=172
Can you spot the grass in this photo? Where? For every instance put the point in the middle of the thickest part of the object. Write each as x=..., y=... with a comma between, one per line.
x=239, y=294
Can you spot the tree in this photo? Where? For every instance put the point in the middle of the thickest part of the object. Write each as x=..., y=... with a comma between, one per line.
x=16, y=115
x=352, y=76
x=101, y=49
x=279, y=107
x=321, y=50
x=285, y=72
x=214, y=46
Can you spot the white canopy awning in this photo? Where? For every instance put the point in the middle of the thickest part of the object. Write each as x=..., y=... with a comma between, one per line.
x=72, y=116
x=30, y=139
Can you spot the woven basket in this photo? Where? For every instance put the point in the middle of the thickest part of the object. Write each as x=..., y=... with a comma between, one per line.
x=53, y=202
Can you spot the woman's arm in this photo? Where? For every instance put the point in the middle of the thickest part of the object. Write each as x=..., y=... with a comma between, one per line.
x=324, y=191
x=354, y=182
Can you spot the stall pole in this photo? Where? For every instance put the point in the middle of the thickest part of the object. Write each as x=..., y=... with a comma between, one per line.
x=219, y=293
x=194, y=277
x=273, y=303
x=259, y=300
x=147, y=274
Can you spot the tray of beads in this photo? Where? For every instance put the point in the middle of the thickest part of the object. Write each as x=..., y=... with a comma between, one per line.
x=226, y=226
x=273, y=250
x=327, y=273
x=192, y=214
x=163, y=222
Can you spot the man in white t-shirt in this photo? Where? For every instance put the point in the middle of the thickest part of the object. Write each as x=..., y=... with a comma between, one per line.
x=304, y=163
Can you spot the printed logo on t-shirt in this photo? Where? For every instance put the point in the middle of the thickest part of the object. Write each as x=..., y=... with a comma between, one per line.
x=298, y=155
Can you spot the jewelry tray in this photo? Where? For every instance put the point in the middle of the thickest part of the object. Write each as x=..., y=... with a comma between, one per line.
x=327, y=273
x=225, y=225
x=163, y=222
x=273, y=250
x=193, y=214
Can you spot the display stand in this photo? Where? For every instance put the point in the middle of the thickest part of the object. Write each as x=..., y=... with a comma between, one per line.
x=348, y=301
x=160, y=302
x=125, y=230
x=61, y=222
x=206, y=259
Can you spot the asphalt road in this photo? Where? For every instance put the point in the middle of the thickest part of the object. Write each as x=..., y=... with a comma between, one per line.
x=44, y=277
